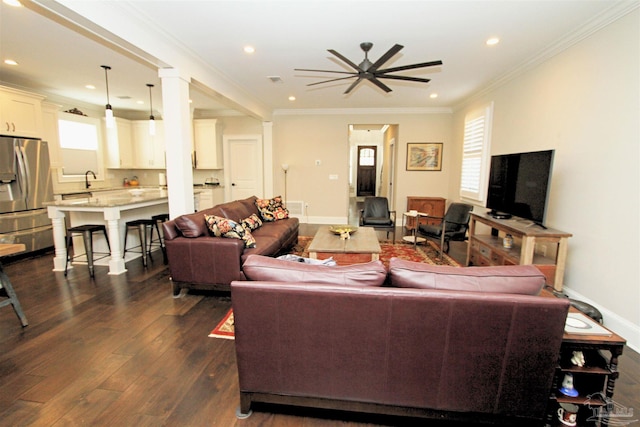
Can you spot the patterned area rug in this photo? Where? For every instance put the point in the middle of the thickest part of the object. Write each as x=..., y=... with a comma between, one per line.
x=426, y=252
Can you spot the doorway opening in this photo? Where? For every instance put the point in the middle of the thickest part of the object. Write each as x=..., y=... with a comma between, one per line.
x=372, y=168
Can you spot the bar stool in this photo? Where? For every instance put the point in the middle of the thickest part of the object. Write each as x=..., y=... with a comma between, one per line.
x=87, y=231
x=146, y=240
x=161, y=218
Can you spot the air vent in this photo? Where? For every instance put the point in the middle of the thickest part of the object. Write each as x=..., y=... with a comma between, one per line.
x=275, y=79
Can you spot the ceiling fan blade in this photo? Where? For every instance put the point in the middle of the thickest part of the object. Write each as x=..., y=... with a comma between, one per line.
x=381, y=85
x=407, y=78
x=354, y=84
x=332, y=80
x=410, y=67
x=354, y=66
x=384, y=58
x=325, y=71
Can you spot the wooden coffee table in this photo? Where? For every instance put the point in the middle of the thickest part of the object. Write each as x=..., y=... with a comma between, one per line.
x=363, y=246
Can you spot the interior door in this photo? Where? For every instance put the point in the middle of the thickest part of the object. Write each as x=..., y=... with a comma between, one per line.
x=243, y=166
x=366, y=175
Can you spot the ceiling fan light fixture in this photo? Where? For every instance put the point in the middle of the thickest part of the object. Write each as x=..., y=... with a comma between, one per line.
x=108, y=111
x=152, y=120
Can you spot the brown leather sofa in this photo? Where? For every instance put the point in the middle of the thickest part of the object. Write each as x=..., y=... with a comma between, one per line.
x=434, y=351
x=199, y=260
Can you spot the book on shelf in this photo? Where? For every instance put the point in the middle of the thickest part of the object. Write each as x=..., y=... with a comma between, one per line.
x=578, y=323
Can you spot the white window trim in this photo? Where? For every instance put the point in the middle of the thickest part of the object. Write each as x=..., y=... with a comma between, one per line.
x=99, y=170
x=479, y=195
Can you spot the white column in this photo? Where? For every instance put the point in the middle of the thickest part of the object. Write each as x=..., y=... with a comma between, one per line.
x=116, y=262
x=57, y=221
x=267, y=155
x=178, y=139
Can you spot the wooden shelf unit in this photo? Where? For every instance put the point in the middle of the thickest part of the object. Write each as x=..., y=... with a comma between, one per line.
x=487, y=249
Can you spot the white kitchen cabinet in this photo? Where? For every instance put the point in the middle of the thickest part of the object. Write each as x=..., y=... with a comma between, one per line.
x=20, y=113
x=119, y=145
x=50, y=132
x=210, y=197
x=149, y=150
x=208, y=144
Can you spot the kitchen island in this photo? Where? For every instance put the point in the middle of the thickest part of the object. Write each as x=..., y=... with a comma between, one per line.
x=112, y=208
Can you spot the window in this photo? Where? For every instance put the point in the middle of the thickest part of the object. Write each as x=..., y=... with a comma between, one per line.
x=80, y=144
x=475, y=154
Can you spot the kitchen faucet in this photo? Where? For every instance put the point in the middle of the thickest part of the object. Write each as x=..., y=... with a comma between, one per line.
x=86, y=178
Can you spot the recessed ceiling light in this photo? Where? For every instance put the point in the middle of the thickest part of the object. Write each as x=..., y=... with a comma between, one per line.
x=140, y=102
x=249, y=49
x=433, y=96
x=14, y=3
x=10, y=62
x=493, y=41
x=92, y=87
x=292, y=98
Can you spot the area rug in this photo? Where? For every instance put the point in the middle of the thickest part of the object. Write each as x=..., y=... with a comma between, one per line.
x=426, y=252
x=224, y=329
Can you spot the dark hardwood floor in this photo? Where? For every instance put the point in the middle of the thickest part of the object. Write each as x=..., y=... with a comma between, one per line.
x=120, y=351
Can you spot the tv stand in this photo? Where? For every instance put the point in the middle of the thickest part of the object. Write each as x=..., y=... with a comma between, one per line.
x=487, y=249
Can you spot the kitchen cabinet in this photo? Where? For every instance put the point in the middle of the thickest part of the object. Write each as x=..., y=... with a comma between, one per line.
x=207, y=138
x=119, y=145
x=20, y=113
x=149, y=150
x=209, y=197
x=50, y=133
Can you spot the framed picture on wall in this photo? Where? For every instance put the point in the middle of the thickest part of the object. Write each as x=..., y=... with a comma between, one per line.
x=424, y=156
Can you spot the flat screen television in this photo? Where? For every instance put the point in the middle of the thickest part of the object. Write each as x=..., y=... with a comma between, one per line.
x=519, y=185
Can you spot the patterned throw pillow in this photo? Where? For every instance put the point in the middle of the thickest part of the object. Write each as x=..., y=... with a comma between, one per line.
x=224, y=227
x=252, y=222
x=272, y=209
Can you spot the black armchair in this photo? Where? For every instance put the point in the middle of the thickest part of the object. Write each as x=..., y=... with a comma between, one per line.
x=455, y=224
x=376, y=214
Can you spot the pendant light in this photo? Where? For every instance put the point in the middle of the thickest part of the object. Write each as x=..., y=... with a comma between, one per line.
x=152, y=120
x=108, y=113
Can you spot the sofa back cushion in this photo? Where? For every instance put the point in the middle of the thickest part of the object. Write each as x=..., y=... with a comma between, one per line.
x=194, y=225
x=263, y=268
x=510, y=279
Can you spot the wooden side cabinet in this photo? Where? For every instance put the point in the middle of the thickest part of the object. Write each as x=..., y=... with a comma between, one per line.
x=433, y=206
x=488, y=249
x=594, y=382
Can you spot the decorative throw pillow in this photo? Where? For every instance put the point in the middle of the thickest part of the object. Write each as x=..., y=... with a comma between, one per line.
x=224, y=227
x=272, y=209
x=252, y=222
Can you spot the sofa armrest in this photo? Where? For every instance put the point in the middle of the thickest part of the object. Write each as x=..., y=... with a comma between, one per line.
x=205, y=260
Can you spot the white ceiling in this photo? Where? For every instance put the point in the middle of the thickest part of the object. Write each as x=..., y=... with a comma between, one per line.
x=55, y=59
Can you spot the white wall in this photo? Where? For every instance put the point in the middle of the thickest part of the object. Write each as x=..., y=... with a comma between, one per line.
x=585, y=104
x=300, y=140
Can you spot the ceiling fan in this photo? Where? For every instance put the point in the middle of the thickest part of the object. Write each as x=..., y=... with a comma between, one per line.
x=371, y=71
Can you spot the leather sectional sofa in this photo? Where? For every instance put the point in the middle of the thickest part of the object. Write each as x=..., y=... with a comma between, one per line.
x=475, y=344
x=199, y=260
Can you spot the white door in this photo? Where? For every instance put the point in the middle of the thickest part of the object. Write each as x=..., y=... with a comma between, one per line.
x=243, y=166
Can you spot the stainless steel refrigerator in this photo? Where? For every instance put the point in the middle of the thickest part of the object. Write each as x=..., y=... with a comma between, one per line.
x=25, y=183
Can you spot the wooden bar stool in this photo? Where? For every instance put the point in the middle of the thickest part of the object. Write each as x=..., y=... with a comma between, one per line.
x=86, y=230
x=6, y=288
x=145, y=229
x=161, y=218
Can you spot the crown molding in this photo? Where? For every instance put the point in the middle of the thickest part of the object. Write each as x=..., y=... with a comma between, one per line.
x=359, y=111
x=615, y=12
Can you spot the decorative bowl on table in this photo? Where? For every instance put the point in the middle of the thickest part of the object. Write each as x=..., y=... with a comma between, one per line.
x=136, y=192
x=341, y=229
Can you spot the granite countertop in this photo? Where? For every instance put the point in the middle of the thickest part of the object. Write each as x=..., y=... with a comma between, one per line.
x=111, y=198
